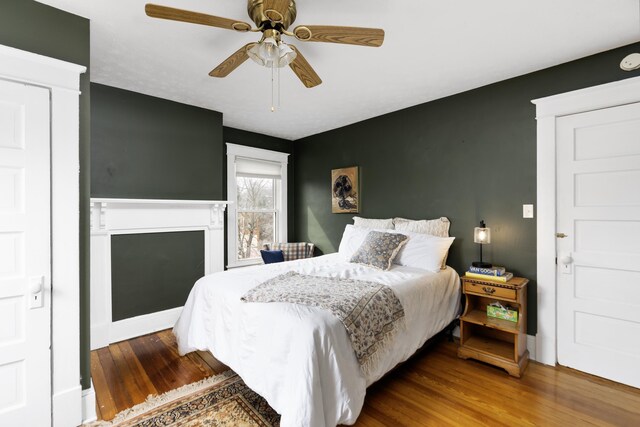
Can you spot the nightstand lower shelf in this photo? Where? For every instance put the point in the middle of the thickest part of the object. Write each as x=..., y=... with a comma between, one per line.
x=496, y=352
x=497, y=348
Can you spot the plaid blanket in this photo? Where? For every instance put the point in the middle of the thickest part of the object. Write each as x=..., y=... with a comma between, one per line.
x=292, y=251
x=370, y=312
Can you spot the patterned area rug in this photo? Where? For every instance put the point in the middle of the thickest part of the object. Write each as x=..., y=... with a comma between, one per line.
x=220, y=401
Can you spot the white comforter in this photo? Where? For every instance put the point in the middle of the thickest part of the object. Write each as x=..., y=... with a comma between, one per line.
x=299, y=358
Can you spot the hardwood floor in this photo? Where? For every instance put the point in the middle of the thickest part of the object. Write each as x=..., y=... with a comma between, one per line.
x=125, y=373
x=434, y=387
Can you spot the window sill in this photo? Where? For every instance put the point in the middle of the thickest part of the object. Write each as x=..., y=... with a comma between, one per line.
x=244, y=264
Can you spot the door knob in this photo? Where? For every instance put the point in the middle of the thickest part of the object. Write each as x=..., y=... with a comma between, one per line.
x=561, y=235
x=36, y=284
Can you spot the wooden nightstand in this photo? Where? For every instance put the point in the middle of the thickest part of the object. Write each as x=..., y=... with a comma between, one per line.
x=499, y=342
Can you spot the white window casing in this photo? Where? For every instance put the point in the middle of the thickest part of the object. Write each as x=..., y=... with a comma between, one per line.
x=255, y=163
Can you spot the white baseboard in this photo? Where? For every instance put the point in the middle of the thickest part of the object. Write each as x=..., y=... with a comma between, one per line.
x=89, y=405
x=99, y=336
x=546, y=350
x=67, y=407
x=142, y=325
x=531, y=346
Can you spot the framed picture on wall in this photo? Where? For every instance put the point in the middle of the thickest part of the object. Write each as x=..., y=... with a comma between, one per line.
x=345, y=196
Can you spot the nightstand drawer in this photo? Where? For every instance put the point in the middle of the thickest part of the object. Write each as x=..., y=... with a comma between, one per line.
x=490, y=291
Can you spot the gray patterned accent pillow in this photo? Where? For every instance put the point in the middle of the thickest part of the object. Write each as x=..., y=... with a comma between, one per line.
x=379, y=249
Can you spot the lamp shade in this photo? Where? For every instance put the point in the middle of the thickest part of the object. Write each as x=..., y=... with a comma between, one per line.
x=255, y=54
x=482, y=234
x=287, y=55
x=271, y=53
x=268, y=49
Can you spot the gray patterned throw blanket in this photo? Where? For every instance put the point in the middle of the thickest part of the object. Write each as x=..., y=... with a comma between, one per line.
x=370, y=312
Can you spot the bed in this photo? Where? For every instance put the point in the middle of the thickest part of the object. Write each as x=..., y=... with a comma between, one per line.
x=299, y=358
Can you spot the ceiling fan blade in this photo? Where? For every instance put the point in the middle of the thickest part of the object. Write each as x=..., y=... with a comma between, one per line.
x=232, y=62
x=304, y=71
x=173, y=14
x=372, y=37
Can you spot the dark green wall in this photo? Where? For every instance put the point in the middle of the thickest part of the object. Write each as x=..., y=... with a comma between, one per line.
x=154, y=280
x=150, y=148
x=469, y=157
x=257, y=140
x=34, y=27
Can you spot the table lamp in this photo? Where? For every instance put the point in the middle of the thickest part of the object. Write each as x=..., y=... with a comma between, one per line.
x=482, y=236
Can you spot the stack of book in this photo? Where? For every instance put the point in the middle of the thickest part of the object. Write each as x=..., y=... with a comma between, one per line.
x=498, y=274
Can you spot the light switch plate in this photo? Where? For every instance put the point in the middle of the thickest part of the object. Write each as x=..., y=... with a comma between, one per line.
x=527, y=211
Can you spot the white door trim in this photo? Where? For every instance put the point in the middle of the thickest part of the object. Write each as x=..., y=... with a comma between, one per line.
x=63, y=81
x=137, y=216
x=547, y=111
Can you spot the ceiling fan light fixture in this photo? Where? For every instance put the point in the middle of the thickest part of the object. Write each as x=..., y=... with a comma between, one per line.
x=287, y=55
x=265, y=53
x=254, y=54
x=272, y=53
x=268, y=49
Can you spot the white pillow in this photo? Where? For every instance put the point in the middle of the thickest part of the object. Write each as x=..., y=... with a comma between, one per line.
x=424, y=251
x=379, y=224
x=421, y=250
x=435, y=227
x=352, y=239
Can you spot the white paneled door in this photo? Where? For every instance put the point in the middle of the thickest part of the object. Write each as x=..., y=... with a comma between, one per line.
x=25, y=258
x=598, y=274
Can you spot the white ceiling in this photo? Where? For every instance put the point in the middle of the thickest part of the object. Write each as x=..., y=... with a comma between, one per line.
x=432, y=49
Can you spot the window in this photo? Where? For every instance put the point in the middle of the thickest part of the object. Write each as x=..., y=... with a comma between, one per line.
x=257, y=205
x=256, y=186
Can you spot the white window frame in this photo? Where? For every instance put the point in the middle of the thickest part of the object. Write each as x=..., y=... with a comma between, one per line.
x=233, y=151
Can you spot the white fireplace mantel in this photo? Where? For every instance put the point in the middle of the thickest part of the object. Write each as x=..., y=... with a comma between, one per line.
x=137, y=216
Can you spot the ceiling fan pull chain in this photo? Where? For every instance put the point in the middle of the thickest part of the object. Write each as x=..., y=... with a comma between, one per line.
x=273, y=83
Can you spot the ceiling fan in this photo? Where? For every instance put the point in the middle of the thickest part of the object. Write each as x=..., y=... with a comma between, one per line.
x=273, y=19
